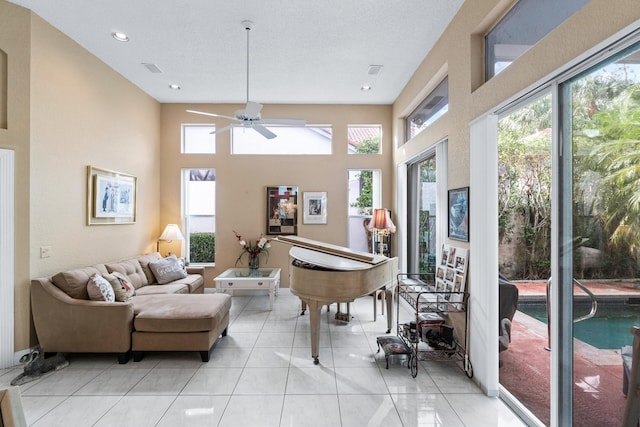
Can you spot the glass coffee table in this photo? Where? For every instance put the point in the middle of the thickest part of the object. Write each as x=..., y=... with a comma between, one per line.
x=244, y=278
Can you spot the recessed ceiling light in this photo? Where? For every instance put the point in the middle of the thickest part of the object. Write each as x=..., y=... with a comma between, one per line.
x=121, y=37
x=174, y=87
x=365, y=87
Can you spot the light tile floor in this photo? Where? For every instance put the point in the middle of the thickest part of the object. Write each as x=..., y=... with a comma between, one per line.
x=262, y=374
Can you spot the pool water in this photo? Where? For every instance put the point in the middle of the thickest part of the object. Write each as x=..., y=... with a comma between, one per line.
x=608, y=329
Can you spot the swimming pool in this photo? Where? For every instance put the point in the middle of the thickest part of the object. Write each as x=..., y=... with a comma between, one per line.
x=608, y=329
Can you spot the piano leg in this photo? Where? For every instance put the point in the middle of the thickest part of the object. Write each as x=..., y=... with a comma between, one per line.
x=315, y=307
x=389, y=294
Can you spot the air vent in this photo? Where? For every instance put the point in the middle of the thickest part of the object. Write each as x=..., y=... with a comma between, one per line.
x=374, y=70
x=153, y=68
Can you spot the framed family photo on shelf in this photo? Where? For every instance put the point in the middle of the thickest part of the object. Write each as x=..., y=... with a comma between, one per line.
x=315, y=207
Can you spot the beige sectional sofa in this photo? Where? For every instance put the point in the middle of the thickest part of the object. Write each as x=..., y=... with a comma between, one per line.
x=160, y=317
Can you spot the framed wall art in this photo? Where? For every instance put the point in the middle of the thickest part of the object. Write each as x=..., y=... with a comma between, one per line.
x=282, y=210
x=459, y=214
x=111, y=197
x=315, y=207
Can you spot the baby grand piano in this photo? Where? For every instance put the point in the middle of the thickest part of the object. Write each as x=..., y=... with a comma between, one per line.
x=322, y=273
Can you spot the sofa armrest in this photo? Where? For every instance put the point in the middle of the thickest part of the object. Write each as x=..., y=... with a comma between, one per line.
x=195, y=270
x=65, y=324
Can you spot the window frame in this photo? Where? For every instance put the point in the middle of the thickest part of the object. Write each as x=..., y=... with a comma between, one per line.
x=436, y=104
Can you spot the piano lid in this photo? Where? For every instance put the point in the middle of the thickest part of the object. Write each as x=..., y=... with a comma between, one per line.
x=328, y=248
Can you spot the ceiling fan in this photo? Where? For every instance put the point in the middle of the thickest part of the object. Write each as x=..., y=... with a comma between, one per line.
x=249, y=116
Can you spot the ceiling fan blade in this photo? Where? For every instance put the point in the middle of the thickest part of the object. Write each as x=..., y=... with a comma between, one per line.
x=222, y=129
x=284, y=122
x=212, y=114
x=252, y=109
x=264, y=131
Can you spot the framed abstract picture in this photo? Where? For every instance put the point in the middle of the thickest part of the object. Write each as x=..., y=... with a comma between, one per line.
x=282, y=210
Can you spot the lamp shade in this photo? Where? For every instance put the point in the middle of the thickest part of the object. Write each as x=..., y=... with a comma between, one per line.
x=171, y=232
x=381, y=220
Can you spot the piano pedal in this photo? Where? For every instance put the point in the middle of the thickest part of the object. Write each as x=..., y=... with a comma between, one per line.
x=343, y=317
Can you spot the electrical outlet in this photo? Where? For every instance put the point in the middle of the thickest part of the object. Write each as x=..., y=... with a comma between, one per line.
x=45, y=251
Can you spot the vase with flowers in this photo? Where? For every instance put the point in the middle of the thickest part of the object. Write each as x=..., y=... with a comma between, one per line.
x=262, y=245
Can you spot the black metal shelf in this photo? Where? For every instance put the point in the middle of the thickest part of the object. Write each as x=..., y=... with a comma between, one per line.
x=423, y=297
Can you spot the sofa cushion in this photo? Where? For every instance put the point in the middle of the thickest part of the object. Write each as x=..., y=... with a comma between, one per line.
x=180, y=313
x=122, y=288
x=168, y=269
x=99, y=289
x=195, y=283
x=170, y=288
x=74, y=282
x=130, y=268
x=144, y=261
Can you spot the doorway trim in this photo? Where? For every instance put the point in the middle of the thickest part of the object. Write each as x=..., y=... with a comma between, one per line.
x=7, y=213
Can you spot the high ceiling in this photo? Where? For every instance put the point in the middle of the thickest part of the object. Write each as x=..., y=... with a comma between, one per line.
x=301, y=51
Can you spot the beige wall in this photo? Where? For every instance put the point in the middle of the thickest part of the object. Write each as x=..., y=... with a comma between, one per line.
x=15, y=39
x=67, y=110
x=459, y=54
x=242, y=180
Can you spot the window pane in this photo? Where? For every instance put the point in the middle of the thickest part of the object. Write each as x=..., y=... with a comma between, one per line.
x=523, y=26
x=434, y=106
x=199, y=190
x=364, y=193
x=524, y=236
x=289, y=140
x=198, y=139
x=364, y=139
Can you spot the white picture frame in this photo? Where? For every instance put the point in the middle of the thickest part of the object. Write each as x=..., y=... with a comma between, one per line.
x=314, y=207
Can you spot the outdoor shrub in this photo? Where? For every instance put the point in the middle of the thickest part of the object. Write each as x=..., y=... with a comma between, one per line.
x=202, y=247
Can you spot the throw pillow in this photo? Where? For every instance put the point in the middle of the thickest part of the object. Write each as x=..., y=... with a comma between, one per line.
x=167, y=270
x=122, y=288
x=99, y=289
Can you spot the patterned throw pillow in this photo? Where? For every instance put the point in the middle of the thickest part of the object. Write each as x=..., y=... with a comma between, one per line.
x=168, y=269
x=122, y=288
x=99, y=289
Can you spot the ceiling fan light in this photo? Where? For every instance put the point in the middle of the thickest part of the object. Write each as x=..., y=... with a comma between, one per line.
x=121, y=37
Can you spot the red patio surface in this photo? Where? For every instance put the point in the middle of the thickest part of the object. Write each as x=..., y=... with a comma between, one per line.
x=598, y=397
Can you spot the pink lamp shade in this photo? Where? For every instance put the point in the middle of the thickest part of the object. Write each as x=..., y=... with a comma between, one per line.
x=381, y=221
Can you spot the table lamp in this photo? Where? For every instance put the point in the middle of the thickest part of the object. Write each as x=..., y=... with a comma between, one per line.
x=171, y=232
x=381, y=225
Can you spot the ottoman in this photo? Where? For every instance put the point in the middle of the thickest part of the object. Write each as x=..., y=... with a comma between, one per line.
x=179, y=322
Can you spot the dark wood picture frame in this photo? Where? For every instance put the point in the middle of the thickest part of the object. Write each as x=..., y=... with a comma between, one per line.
x=282, y=210
x=459, y=214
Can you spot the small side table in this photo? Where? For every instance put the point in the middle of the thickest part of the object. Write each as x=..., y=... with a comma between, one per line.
x=244, y=278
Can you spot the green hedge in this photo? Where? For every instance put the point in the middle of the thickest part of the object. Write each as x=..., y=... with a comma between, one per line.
x=202, y=247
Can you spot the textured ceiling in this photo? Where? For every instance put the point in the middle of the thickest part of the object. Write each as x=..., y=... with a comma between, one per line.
x=301, y=51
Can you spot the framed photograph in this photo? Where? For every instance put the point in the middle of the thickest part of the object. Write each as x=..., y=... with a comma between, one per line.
x=282, y=210
x=111, y=197
x=459, y=214
x=315, y=207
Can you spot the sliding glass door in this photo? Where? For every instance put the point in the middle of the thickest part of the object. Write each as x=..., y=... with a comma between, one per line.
x=422, y=202
x=601, y=229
